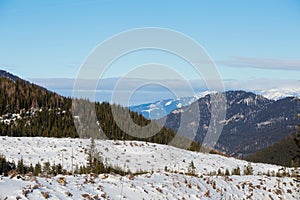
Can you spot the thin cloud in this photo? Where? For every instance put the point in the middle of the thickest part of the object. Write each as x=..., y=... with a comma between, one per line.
x=261, y=84
x=153, y=93
x=263, y=63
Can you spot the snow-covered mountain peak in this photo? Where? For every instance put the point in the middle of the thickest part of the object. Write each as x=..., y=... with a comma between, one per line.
x=277, y=93
x=162, y=108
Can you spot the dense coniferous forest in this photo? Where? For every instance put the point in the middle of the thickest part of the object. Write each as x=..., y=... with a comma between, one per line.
x=29, y=110
x=285, y=152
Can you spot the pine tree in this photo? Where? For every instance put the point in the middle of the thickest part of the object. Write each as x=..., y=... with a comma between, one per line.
x=191, y=168
x=94, y=161
x=3, y=166
x=248, y=169
x=31, y=169
x=37, y=169
x=47, y=168
x=227, y=173
x=21, y=167
x=236, y=171
x=59, y=169
x=91, y=156
x=220, y=172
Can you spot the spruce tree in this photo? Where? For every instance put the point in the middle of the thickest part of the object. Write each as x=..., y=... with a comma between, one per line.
x=236, y=171
x=3, y=166
x=31, y=169
x=47, y=168
x=21, y=167
x=248, y=169
x=37, y=169
x=91, y=154
x=191, y=168
x=59, y=169
x=227, y=173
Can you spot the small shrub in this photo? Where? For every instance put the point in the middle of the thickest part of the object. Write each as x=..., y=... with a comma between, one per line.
x=191, y=168
x=236, y=171
x=248, y=169
x=227, y=173
x=220, y=173
x=207, y=193
x=45, y=194
x=166, y=168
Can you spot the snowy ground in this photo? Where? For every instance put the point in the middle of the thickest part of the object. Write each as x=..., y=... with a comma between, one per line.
x=132, y=155
x=159, y=185
x=137, y=156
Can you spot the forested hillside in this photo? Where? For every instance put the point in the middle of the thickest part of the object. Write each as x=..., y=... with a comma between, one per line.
x=285, y=152
x=27, y=109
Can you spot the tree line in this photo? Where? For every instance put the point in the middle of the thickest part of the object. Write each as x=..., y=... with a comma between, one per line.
x=47, y=114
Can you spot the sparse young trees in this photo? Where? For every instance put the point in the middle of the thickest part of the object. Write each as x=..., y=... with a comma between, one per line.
x=3, y=166
x=248, y=170
x=37, y=169
x=21, y=168
x=95, y=161
x=236, y=171
x=47, y=168
x=192, y=168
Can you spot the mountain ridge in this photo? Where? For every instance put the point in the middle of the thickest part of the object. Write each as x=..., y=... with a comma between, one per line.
x=161, y=108
x=252, y=121
x=5, y=74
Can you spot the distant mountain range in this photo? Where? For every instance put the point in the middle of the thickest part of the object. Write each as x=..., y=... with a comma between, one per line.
x=252, y=122
x=278, y=93
x=161, y=108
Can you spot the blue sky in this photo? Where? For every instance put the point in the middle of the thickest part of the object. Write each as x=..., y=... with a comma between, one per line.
x=248, y=40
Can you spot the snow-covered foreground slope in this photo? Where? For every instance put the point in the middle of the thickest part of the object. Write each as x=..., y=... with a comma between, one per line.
x=158, y=185
x=136, y=156
x=132, y=155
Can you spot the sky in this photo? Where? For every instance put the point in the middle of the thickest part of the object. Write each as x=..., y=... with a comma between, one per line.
x=247, y=40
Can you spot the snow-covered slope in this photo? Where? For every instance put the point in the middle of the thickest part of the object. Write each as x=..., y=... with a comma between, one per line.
x=138, y=156
x=159, y=185
x=132, y=155
x=276, y=94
